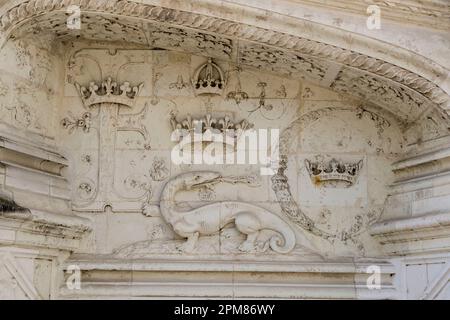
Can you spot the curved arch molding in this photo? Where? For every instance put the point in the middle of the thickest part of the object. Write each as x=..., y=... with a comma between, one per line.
x=422, y=76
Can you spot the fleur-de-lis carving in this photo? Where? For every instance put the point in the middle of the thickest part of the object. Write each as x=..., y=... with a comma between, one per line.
x=191, y=124
x=226, y=123
x=109, y=86
x=244, y=125
x=180, y=84
x=209, y=121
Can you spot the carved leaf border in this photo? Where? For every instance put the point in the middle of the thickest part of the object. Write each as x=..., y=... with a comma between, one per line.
x=29, y=9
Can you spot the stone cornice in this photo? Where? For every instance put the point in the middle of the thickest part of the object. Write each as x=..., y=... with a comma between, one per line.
x=427, y=233
x=430, y=13
x=25, y=11
x=349, y=278
x=16, y=151
x=28, y=227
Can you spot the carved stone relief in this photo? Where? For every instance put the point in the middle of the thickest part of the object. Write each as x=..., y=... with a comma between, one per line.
x=301, y=46
x=279, y=61
x=191, y=41
x=405, y=103
x=179, y=84
x=132, y=172
x=229, y=131
x=333, y=172
x=110, y=123
x=209, y=79
x=73, y=123
x=261, y=96
x=136, y=72
x=249, y=219
x=29, y=84
x=112, y=126
x=18, y=107
x=313, y=195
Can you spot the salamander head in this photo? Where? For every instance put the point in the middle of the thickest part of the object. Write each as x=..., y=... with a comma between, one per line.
x=200, y=179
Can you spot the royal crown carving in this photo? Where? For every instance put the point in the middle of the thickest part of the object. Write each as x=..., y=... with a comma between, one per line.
x=209, y=79
x=224, y=126
x=334, y=170
x=208, y=122
x=109, y=91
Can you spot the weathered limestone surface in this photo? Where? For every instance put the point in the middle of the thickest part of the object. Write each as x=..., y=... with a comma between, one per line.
x=87, y=177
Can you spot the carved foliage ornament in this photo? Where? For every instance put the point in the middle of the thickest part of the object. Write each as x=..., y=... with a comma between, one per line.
x=29, y=9
x=72, y=123
x=238, y=95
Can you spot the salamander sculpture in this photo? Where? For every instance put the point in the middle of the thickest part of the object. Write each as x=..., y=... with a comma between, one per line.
x=211, y=218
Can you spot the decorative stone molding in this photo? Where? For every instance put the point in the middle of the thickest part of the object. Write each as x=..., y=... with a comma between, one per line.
x=431, y=13
x=29, y=9
x=109, y=97
x=427, y=233
x=407, y=104
x=38, y=168
x=284, y=194
x=42, y=229
x=310, y=279
x=381, y=122
x=17, y=158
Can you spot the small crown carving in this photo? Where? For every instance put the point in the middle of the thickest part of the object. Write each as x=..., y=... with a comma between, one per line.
x=334, y=170
x=209, y=79
x=109, y=91
x=210, y=124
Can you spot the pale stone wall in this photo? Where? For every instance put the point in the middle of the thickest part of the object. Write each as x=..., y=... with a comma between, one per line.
x=86, y=170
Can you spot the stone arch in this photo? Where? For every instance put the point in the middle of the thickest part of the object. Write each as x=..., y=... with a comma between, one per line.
x=358, y=58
